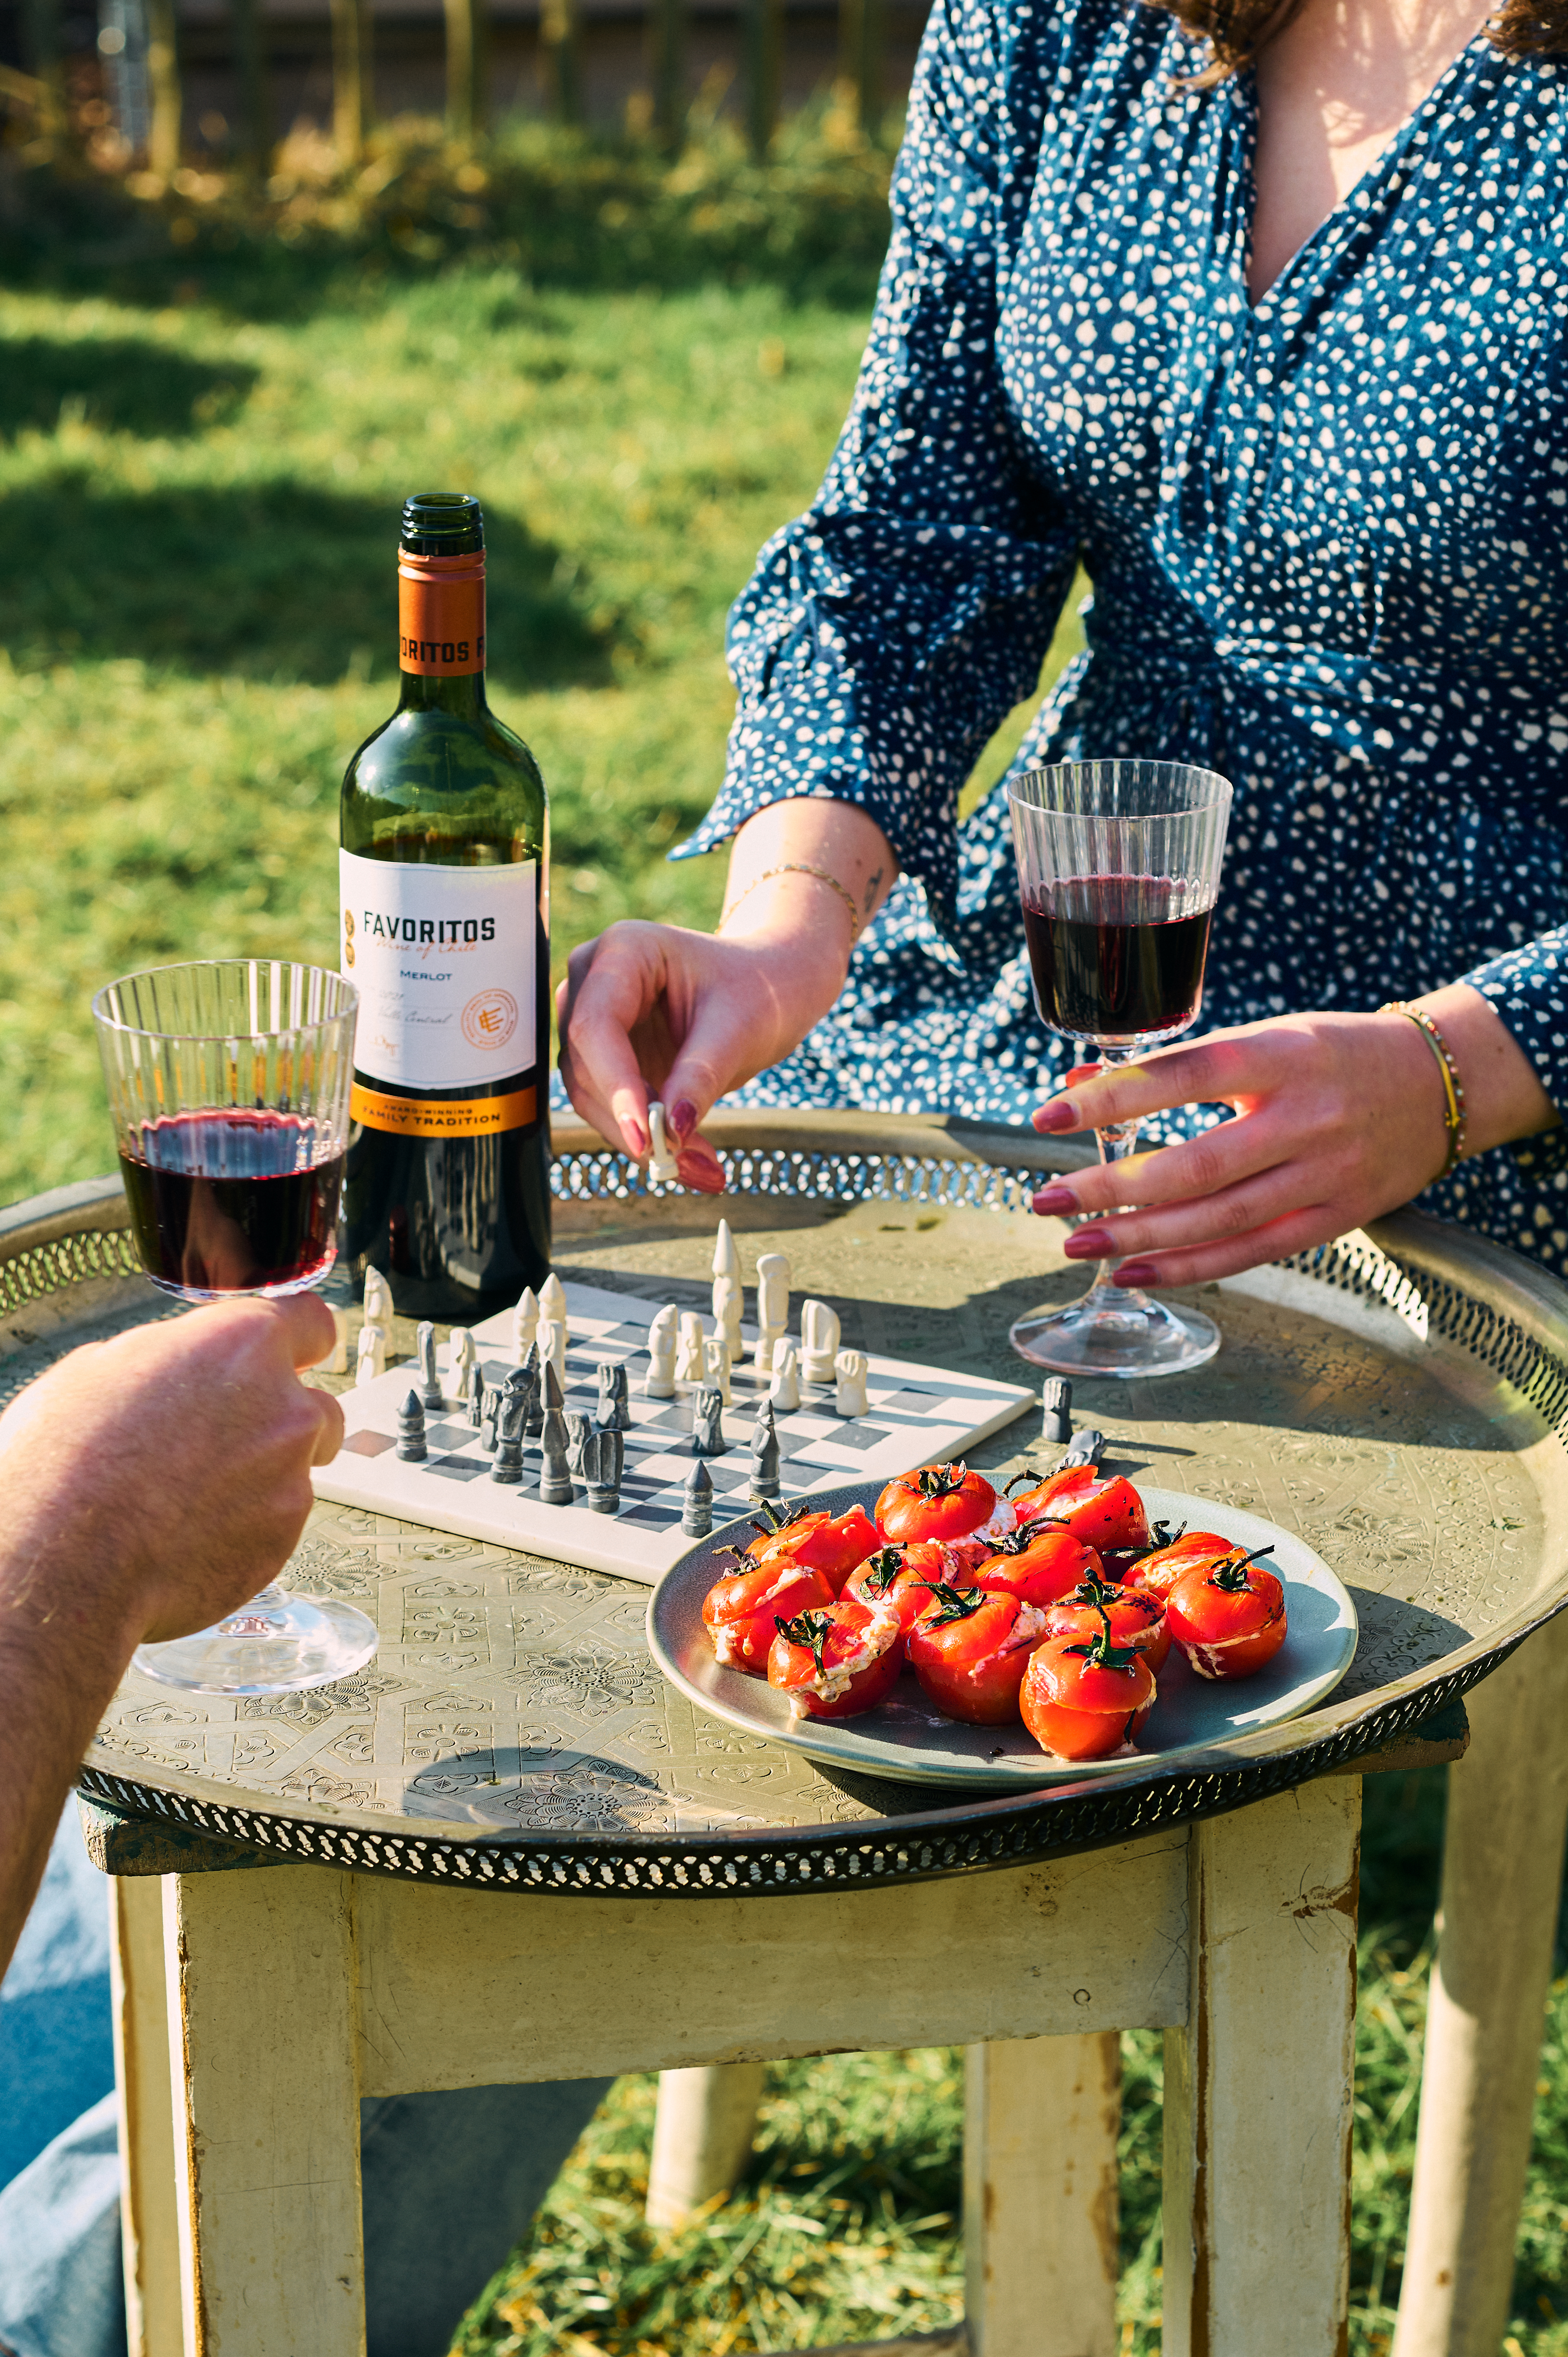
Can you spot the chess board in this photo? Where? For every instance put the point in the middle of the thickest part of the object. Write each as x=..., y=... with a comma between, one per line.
x=915, y=1416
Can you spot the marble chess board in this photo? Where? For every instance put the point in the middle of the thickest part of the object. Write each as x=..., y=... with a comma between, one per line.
x=915, y=1416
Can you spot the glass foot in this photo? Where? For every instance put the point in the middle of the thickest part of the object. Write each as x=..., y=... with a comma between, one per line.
x=274, y=1644
x=1114, y=1333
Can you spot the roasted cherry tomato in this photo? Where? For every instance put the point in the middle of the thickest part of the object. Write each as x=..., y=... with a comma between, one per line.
x=947, y=1502
x=1172, y=1559
x=828, y=1544
x=1038, y=1563
x=836, y=1662
x=1230, y=1619
x=902, y=1576
x=1137, y=1618
x=970, y=1649
x=1102, y=1510
x=741, y=1611
x=1086, y=1700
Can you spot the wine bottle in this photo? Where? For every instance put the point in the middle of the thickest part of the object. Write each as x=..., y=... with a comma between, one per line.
x=444, y=892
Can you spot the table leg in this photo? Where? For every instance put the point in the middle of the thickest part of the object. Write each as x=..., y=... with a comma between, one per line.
x=701, y=2136
x=263, y=2036
x=149, y=2223
x=1502, y=1872
x=1258, y=2084
x=1041, y=2116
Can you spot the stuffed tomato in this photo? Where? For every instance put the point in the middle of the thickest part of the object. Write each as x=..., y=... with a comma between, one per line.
x=1229, y=1620
x=1136, y=1619
x=742, y=1611
x=970, y=1649
x=831, y=1544
x=902, y=1576
x=1102, y=1510
x=1038, y=1563
x=1159, y=1570
x=951, y=1504
x=1086, y=1701
x=836, y=1661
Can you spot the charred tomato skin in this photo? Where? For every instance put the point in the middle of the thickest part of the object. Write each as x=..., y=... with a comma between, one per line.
x=905, y=1510
x=1228, y=1631
x=908, y=1589
x=1079, y=1709
x=971, y=1668
x=740, y=1612
x=792, y=1667
x=1050, y=1567
x=1102, y=1510
x=1137, y=1622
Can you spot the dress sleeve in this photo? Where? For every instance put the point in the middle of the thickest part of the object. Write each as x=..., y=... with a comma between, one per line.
x=1528, y=987
x=887, y=632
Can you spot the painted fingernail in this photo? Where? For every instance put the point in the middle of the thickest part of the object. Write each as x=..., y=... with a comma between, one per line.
x=682, y=1120
x=1053, y=1117
x=1056, y=1199
x=1135, y=1272
x=1087, y=1243
x=636, y=1137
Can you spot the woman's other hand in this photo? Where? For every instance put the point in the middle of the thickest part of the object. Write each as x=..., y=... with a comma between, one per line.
x=659, y=1011
x=1339, y=1119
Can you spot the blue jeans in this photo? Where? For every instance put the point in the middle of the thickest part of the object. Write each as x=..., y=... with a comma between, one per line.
x=450, y=2180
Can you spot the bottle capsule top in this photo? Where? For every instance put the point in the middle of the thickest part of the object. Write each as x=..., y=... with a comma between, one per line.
x=442, y=523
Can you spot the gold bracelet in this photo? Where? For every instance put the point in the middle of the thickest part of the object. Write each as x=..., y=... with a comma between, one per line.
x=1453, y=1116
x=799, y=868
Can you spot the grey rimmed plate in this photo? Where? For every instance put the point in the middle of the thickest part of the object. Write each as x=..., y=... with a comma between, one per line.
x=908, y=1739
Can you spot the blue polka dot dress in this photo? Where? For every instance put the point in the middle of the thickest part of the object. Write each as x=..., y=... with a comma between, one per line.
x=1327, y=537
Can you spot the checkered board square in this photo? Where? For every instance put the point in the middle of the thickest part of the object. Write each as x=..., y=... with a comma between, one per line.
x=914, y=1415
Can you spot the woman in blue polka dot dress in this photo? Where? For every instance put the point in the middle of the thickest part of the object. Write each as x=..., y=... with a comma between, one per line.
x=1268, y=333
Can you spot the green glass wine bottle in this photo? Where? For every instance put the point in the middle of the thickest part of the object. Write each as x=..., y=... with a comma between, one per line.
x=444, y=890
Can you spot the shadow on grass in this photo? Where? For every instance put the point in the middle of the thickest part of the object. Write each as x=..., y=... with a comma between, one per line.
x=268, y=582
x=116, y=385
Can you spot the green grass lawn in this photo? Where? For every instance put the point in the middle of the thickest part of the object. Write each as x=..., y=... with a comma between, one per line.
x=208, y=419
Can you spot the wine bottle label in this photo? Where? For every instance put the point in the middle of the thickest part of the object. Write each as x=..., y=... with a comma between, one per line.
x=441, y=615
x=446, y=962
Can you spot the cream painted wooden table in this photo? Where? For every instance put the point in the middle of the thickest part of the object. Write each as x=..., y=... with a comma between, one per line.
x=508, y=1851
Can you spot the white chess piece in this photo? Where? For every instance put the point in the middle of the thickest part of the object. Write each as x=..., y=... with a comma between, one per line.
x=552, y=1339
x=849, y=1396
x=727, y=1313
x=337, y=1364
x=818, y=1341
x=772, y=1306
x=784, y=1388
x=716, y=1365
x=658, y=1382
x=377, y=1301
x=524, y=1325
x=460, y=1356
x=690, y=1367
x=370, y=1358
x=662, y=1168
x=552, y=1300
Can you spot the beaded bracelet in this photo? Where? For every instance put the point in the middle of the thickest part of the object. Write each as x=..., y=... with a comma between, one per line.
x=1454, y=1117
x=799, y=868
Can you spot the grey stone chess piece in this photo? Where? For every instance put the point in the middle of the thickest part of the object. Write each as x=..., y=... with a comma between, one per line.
x=554, y=1473
x=473, y=1394
x=430, y=1389
x=491, y=1420
x=411, y=1444
x=579, y=1424
x=604, y=1460
x=765, y=1481
x=508, y=1467
x=1057, y=1401
x=697, y=1508
x=707, y=1423
x=614, y=1413
x=527, y=1377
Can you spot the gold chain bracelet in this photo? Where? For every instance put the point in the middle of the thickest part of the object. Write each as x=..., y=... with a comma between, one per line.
x=799, y=868
x=1453, y=1116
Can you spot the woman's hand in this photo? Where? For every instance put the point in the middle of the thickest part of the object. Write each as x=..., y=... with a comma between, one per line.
x=1339, y=1119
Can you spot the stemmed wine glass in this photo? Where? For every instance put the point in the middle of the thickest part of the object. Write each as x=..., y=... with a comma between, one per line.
x=1118, y=871
x=229, y=1088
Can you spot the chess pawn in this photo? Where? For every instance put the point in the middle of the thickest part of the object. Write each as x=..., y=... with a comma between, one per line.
x=765, y=1482
x=849, y=1394
x=603, y=1458
x=707, y=1425
x=579, y=1425
x=818, y=1341
x=772, y=1307
x=524, y=1325
x=784, y=1385
x=411, y=1445
x=430, y=1389
x=460, y=1356
x=614, y=1411
x=658, y=1382
x=1056, y=1402
x=371, y=1356
x=508, y=1467
x=377, y=1301
x=690, y=1365
x=697, y=1506
x=716, y=1365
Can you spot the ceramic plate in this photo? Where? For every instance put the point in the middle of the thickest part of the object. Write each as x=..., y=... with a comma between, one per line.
x=908, y=1739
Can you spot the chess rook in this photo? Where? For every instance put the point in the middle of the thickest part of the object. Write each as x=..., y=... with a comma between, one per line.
x=658, y=1382
x=1056, y=1402
x=819, y=1343
x=689, y=1364
x=614, y=1411
x=784, y=1384
x=849, y=1395
x=411, y=1445
x=430, y=1389
x=707, y=1423
x=603, y=1458
x=697, y=1506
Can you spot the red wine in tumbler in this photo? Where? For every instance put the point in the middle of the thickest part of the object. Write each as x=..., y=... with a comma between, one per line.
x=1110, y=961
x=233, y=1201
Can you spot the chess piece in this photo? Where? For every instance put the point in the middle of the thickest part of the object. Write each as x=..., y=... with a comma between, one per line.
x=658, y=1382
x=411, y=1445
x=728, y=1288
x=716, y=1364
x=370, y=1357
x=772, y=1307
x=552, y=1300
x=818, y=1341
x=489, y=1428
x=689, y=1366
x=697, y=1509
x=603, y=1458
x=508, y=1467
x=430, y=1389
x=614, y=1411
x=707, y=1423
x=377, y=1301
x=460, y=1356
x=765, y=1482
x=553, y=1344
x=1085, y=1450
x=579, y=1424
x=849, y=1394
x=473, y=1394
x=524, y=1325
x=1057, y=1401
x=662, y=1168
x=337, y=1364
x=784, y=1384
x=528, y=1377
x=554, y=1474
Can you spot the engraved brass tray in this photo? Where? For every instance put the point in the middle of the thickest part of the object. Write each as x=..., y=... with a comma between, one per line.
x=1399, y=1400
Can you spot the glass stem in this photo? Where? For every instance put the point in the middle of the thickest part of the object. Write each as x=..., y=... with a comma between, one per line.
x=1115, y=1145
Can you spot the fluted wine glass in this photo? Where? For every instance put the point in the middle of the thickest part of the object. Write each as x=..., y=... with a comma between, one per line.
x=1118, y=871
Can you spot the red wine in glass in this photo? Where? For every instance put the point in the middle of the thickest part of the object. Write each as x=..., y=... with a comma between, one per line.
x=1112, y=958
x=233, y=1201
